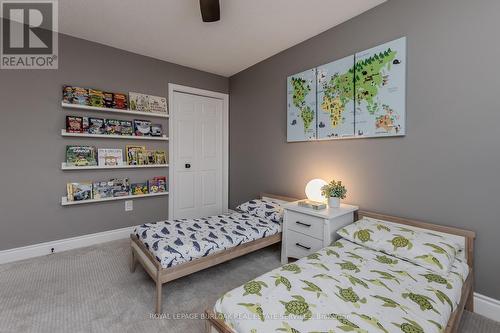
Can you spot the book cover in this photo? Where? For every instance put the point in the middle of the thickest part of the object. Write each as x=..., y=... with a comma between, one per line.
x=150, y=155
x=79, y=191
x=108, y=100
x=96, y=98
x=157, y=185
x=110, y=157
x=139, y=188
x=147, y=103
x=74, y=124
x=160, y=157
x=120, y=101
x=102, y=190
x=112, y=126
x=121, y=187
x=142, y=127
x=127, y=127
x=67, y=94
x=156, y=130
x=158, y=104
x=139, y=102
x=80, y=96
x=96, y=126
x=132, y=154
x=81, y=156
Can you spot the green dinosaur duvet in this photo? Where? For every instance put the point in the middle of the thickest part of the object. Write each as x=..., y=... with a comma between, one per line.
x=345, y=288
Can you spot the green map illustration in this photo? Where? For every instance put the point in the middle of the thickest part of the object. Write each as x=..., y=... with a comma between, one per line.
x=360, y=95
x=302, y=106
x=336, y=99
x=300, y=90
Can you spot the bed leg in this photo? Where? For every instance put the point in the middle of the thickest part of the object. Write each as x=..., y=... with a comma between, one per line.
x=158, y=292
x=133, y=261
x=208, y=326
x=469, y=304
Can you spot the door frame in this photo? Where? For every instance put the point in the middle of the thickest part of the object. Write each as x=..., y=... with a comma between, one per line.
x=172, y=88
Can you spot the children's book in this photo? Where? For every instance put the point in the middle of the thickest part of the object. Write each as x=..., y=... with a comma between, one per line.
x=112, y=126
x=74, y=124
x=110, y=157
x=142, y=127
x=81, y=156
x=133, y=154
x=127, y=127
x=79, y=191
x=121, y=187
x=157, y=185
x=102, y=190
x=96, y=126
x=139, y=188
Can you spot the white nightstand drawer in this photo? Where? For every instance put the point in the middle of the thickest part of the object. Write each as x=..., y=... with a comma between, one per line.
x=299, y=245
x=305, y=224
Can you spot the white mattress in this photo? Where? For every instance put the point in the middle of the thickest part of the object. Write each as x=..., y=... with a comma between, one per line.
x=178, y=241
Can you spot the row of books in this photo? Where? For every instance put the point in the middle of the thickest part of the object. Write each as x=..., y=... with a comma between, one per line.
x=116, y=187
x=135, y=155
x=103, y=99
x=92, y=125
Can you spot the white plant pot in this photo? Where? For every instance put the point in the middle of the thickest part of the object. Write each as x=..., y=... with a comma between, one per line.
x=333, y=202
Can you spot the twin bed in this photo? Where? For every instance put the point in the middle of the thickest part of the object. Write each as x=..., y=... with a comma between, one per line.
x=351, y=286
x=385, y=274
x=169, y=250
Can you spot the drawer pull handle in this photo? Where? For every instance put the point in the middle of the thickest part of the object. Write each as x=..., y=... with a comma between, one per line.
x=304, y=224
x=303, y=246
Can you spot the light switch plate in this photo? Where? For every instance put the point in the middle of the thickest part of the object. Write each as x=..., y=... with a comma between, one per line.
x=129, y=205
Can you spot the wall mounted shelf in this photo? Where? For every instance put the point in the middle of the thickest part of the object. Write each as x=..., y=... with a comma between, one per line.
x=66, y=167
x=65, y=202
x=110, y=136
x=109, y=110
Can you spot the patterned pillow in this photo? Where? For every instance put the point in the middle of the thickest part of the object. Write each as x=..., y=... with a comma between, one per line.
x=263, y=209
x=426, y=249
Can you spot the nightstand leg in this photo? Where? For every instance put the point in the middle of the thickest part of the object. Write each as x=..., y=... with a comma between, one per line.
x=284, y=256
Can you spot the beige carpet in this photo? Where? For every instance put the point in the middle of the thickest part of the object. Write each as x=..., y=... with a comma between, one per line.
x=92, y=290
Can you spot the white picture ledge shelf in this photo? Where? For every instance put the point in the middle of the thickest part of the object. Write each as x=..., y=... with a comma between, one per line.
x=65, y=166
x=112, y=136
x=109, y=110
x=65, y=202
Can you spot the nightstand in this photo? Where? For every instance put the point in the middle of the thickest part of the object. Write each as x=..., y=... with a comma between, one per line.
x=306, y=230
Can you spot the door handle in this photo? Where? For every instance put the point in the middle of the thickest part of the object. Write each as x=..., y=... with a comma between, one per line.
x=187, y=165
x=303, y=246
x=303, y=224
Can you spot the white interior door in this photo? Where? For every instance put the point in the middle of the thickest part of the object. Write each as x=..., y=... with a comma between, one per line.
x=197, y=141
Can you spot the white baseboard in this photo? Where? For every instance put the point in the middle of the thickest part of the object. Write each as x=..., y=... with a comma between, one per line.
x=487, y=306
x=43, y=249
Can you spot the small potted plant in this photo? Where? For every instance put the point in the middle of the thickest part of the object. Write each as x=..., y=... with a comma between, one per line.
x=334, y=191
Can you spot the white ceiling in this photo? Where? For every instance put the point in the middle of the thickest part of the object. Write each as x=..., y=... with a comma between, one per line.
x=172, y=30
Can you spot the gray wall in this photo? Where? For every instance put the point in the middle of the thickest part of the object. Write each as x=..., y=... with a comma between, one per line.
x=446, y=169
x=32, y=149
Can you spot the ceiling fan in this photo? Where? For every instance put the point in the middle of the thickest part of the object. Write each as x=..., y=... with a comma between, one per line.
x=210, y=10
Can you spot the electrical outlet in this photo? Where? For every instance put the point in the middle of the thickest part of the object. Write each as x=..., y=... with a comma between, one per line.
x=129, y=205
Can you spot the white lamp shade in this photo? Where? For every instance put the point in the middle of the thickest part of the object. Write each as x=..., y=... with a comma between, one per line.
x=313, y=190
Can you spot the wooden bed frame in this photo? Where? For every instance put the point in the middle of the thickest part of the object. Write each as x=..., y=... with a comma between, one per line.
x=160, y=275
x=214, y=324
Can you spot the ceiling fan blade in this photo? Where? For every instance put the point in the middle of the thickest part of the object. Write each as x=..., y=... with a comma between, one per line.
x=210, y=10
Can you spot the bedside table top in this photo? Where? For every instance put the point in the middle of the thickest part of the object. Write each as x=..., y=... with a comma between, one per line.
x=327, y=213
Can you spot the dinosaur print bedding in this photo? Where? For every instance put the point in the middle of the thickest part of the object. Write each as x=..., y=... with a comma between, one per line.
x=345, y=287
x=178, y=241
